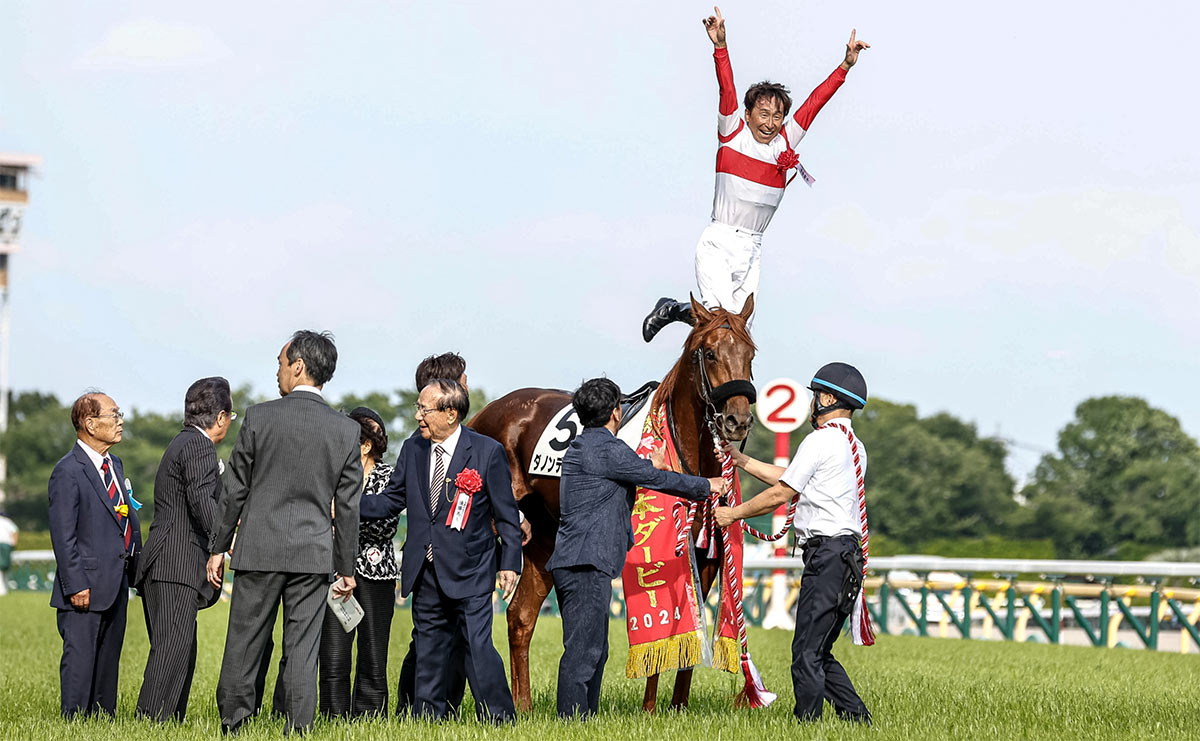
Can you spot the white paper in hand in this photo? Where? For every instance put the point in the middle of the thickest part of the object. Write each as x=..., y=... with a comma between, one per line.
x=348, y=612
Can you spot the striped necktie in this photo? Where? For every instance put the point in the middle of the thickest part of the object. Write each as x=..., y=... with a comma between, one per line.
x=436, y=484
x=110, y=485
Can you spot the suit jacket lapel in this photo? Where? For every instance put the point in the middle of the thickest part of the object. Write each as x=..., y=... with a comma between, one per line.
x=91, y=474
x=422, y=469
x=458, y=461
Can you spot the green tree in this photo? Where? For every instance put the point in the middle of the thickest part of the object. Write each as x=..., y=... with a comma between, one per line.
x=1125, y=474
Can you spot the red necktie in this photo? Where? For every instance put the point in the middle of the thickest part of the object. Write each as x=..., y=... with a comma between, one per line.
x=110, y=485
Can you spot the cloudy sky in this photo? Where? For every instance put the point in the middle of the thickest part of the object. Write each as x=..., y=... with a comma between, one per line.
x=1006, y=218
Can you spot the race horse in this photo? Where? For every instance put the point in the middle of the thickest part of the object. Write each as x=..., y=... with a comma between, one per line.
x=708, y=389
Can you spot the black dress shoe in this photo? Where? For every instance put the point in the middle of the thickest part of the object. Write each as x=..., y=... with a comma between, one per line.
x=232, y=730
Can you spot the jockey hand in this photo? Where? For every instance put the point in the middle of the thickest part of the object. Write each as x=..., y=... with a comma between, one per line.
x=724, y=516
x=715, y=25
x=852, y=49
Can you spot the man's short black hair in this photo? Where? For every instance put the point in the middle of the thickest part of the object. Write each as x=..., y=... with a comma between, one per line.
x=204, y=400
x=767, y=90
x=452, y=396
x=447, y=365
x=318, y=352
x=595, y=400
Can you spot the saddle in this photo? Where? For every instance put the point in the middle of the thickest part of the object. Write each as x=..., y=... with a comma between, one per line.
x=631, y=404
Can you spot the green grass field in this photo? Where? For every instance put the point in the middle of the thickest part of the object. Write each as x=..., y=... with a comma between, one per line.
x=916, y=688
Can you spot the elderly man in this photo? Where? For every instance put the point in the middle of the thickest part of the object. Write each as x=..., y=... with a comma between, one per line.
x=96, y=542
x=171, y=572
x=293, y=456
x=458, y=483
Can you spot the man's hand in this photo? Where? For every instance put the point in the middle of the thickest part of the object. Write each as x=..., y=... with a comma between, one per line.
x=715, y=25
x=216, y=569
x=658, y=458
x=344, y=587
x=81, y=600
x=724, y=516
x=526, y=532
x=717, y=486
x=508, y=583
x=739, y=458
x=852, y=49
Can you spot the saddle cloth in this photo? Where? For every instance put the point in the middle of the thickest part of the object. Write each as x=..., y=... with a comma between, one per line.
x=565, y=426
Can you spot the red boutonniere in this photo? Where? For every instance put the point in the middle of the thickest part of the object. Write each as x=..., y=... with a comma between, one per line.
x=468, y=481
x=786, y=160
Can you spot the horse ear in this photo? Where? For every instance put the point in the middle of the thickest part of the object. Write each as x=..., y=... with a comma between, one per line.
x=699, y=313
x=748, y=308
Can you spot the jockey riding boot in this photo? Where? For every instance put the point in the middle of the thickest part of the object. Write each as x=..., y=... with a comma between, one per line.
x=665, y=312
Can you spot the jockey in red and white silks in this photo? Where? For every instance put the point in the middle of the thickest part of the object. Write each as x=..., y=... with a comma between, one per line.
x=755, y=157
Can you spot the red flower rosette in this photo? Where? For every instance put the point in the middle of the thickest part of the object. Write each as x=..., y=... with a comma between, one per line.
x=468, y=481
x=786, y=160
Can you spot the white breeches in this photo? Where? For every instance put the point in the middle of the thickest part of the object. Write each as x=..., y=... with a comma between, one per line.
x=727, y=266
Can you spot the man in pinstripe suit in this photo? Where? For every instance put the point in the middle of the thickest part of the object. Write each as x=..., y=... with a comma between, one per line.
x=293, y=456
x=171, y=573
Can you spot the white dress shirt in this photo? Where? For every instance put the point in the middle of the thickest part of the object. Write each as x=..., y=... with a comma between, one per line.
x=448, y=446
x=98, y=461
x=823, y=472
x=309, y=389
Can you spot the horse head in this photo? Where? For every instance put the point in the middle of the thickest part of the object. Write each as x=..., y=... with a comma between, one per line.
x=716, y=362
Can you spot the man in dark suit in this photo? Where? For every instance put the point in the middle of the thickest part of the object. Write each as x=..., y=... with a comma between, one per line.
x=458, y=484
x=600, y=474
x=96, y=543
x=293, y=456
x=171, y=572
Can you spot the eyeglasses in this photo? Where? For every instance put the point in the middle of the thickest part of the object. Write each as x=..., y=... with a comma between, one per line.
x=423, y=411
x=115, y=415
x=232, y=415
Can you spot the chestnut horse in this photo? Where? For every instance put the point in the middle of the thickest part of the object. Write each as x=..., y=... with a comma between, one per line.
x=709, y=386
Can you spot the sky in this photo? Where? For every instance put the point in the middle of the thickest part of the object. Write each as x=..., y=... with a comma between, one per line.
x=1005, y=221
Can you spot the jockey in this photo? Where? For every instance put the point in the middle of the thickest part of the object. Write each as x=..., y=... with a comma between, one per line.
x=825, y=478
x=754, y=154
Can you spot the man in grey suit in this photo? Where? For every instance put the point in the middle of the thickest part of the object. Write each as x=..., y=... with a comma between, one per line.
x=293, y=456
x=171, y=573
x=599, y=476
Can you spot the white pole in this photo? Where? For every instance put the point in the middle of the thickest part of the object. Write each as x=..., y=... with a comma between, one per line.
x=778, y=615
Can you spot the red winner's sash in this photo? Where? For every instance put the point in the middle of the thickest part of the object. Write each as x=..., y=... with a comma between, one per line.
x=666, y=626
x=666, y=623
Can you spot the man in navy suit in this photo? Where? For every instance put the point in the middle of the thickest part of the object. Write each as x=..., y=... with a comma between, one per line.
x=96, y=540
x=458, y=484
x=600, y=474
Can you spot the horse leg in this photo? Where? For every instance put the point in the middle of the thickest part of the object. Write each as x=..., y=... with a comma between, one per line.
x=650, y=698
x=523, y=612
x=683, y=677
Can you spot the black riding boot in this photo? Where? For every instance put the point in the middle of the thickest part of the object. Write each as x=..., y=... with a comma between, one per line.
x=665, y=312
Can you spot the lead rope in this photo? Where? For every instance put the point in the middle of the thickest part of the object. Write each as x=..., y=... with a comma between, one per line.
x=861, y=630
x=754, y=694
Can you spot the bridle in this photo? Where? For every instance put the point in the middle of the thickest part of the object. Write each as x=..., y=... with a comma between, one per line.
x=713, y=399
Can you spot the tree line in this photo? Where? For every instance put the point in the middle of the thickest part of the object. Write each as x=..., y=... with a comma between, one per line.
x=1123, y=482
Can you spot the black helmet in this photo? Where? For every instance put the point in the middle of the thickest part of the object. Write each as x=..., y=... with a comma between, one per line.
x=843, y=381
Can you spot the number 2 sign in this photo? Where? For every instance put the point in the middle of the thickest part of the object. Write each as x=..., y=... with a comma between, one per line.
x=782, y=405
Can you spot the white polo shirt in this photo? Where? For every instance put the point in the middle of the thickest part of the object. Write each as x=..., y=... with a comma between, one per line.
x=823, y=472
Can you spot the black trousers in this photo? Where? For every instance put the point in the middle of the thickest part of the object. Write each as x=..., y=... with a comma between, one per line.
x=584, y=594
x=456, y=674
x=436, y=616
x=252, y=612
x=370, y=693
x=831, y=581
x=170, y=611
x=91, y=657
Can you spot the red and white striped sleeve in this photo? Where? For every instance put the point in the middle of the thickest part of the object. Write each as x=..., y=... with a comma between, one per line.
x=798, y=124
x=729, y=123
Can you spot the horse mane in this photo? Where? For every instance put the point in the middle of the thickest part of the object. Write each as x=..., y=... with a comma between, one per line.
x=720, y=319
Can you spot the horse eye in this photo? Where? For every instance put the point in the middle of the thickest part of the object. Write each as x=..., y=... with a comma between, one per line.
x=710, y=355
